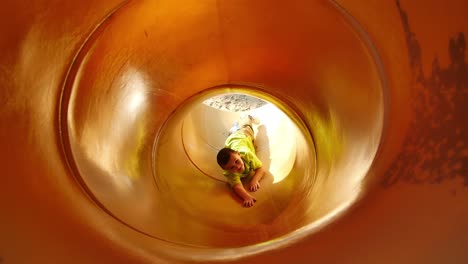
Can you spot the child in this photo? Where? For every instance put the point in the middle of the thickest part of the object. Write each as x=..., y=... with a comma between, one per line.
x=238, y=160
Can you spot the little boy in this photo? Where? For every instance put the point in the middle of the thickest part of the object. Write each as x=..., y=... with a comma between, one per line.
x=238, y=160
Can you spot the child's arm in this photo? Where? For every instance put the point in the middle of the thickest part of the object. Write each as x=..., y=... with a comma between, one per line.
x=255, y=182
x=249, y=200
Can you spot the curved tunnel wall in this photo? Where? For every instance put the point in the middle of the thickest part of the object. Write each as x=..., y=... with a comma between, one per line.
x=109, y=115
x=403, y=191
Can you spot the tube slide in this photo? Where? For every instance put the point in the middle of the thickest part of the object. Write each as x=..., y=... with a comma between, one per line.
x=109, y=149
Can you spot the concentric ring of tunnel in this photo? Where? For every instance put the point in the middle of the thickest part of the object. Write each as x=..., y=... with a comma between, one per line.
x=194, y=134
x=132, y=77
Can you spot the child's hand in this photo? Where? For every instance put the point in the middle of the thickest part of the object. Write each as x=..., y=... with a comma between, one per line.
x=254, y=186
x=248, y=202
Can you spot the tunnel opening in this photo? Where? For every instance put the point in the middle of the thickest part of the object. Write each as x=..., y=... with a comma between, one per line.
x=235, y=102
x=276, y=133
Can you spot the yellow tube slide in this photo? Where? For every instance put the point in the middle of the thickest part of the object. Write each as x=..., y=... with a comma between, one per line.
x=108, y=149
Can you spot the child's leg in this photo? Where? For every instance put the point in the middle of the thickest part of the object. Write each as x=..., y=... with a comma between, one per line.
x=245, y=124
x=234, y=127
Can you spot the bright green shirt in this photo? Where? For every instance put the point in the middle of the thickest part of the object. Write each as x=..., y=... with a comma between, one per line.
x=242, y=143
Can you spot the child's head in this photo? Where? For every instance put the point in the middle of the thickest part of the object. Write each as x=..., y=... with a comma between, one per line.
x=230, y=160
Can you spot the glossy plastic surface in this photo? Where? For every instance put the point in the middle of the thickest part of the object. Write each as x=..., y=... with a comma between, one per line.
x=107, y=148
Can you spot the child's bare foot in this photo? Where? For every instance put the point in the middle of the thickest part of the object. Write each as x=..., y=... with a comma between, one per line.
x=254, y=120
x=254, y=186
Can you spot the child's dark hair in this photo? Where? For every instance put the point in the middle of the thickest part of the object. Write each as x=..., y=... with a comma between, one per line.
x=223, y=156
